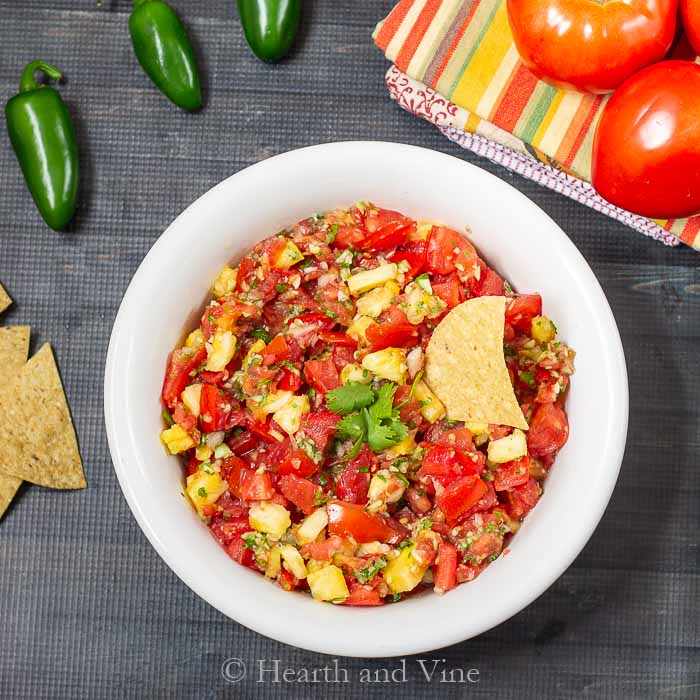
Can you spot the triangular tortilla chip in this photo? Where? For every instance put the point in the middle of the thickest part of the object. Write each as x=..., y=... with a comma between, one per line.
x=5, y=300
x=466, y=368
x=9, y=485
x=14, y=350
x=37, y=438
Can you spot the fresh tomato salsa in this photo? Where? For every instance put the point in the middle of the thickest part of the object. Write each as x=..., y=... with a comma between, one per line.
x=313, y=448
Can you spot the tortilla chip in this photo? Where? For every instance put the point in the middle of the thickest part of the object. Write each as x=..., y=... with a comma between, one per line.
x=37, y=438
x=5, y=300
x=466, y=368
x=14, y=349
x=9, y=485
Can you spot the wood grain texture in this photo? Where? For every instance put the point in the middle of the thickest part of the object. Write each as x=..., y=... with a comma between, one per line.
x=87, y=607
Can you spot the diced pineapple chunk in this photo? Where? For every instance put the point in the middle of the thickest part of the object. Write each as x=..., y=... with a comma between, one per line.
x=191, y=397
x=195, y=339
x=255, y=349
x=385, y=487
x=270, y=518
x=403, y=573
x=477, y=428
x=274, y=401
x=420, y=303
x=358, y=328
x=513, y=446
x=389, y=363
x=312, y=526
x=422, y=231
x=203, y=454
x=289, y=416
x=368, y=279
x=176, y=439
x=293, y=561
x=543, y=330
x=354, y=373
x=220, y=351
x=287, y=256
x=204, y=489
x=405, y=447
x=378, y=299
x=274, y=562
x=431, y=408
x=328, y=584
x=226, y=282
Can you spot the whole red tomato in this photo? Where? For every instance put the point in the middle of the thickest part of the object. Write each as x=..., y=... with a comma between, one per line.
x=591, y=45
x=646, y=151
x=690, y=11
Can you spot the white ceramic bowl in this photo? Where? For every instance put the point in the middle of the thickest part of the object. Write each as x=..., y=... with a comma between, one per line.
x=516, y=237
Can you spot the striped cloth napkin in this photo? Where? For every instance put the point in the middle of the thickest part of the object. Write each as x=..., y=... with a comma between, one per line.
x=455, y=64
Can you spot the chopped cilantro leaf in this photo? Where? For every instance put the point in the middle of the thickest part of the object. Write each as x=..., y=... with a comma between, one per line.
x=352, y=427
x=280, y=288
x=332, y=233
x=367, y=574
x=508, y=351
x=350, y=397
x=202, y=492
x=167, y=418
x=528, y=378
x=261, y=334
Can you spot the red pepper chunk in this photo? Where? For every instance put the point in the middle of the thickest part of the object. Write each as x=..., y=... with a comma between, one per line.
x=349, y=520
x=460, y=497
x=299, y=491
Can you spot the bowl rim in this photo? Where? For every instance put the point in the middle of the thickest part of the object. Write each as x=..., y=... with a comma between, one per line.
x=613, y=452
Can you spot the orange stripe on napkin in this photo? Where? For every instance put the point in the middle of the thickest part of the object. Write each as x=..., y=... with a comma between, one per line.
x=408, y=50
x=392, y=23
x=514, y=98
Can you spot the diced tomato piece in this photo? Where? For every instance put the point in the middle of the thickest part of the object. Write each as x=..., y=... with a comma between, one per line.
x=410, y=408
x=349, y=520
x=389, y=236
x=460, y=497
x=445, y=464
x=489, y=284
x=301, y=492
x=363, y=595
x=391, y=335
x=242, y=443
x=379, y=218
x=214, y=409
x=240, y=553
x=320, y=427
x=289, y=381
x=181, y=364
x=445, y=571
x=343, y=355
x=412, y=253
x=522, y=309
x=226, y=531
x=449, y=289
x=349, y=237
x=512, y=474
x=211, y=377
x=549, y=430
x=522, y=499
x=322, y=375
x=353, y=483
x=296, y=461
x=315, y=318
x=244, y=482
x=184, y=418
x=245, y=269
x=192, y=465
x=262, y=430
x=446, y=251
x=338, y=338
x=459, y=438
x=288, y=580
x=323, y=551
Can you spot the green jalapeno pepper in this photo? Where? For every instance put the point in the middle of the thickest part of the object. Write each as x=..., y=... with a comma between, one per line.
x=270, y=26
x=164, y=51
x=43, y=138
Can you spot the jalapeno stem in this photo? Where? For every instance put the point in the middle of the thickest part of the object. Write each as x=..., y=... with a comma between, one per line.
x=28, y=80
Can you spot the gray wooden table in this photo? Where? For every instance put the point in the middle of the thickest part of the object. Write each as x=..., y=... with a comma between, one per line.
x=87, y=608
